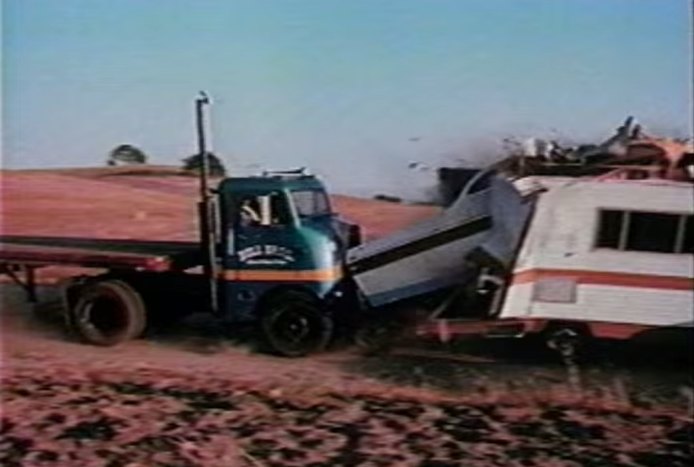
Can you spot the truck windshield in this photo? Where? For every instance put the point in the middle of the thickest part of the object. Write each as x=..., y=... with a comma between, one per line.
x=311, y=203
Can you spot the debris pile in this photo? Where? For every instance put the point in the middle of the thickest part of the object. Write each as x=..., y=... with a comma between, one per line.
x=630, y=153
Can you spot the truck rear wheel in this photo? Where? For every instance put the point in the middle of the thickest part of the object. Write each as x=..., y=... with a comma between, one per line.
x=107, y=313
x=293, y=325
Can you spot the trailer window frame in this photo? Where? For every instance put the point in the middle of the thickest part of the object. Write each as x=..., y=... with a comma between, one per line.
x=603, y=239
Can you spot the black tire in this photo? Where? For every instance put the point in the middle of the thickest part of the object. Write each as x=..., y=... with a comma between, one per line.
x=107, y=313
x=570, y=342
x=293, y=325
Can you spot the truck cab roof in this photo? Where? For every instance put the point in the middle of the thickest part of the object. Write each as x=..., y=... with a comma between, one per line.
x=271, y=182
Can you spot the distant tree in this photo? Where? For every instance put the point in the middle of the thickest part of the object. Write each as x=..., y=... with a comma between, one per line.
x=388, y=198
x=194, y=164
x=126, y=154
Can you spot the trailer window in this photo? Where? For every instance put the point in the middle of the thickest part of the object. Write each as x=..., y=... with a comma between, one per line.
x=610, y=228
x=688, y=239
x=652, y=232
x=645, y=231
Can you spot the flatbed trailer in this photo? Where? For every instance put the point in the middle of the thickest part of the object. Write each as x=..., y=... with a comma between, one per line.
x=140, y=255
x=21, y=256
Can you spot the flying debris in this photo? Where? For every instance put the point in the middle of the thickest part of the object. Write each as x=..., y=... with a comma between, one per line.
x=628, y=153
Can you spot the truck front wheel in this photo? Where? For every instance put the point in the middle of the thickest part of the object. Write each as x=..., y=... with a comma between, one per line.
x=107, y=313
x=293, y=325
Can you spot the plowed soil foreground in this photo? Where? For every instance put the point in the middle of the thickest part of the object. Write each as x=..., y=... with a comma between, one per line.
x=153, y=417
x=195, y=397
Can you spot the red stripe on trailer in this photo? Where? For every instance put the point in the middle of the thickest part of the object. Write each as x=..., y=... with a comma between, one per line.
x=617, y=279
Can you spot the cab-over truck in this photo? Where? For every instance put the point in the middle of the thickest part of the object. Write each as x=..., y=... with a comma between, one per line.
x=271, y=251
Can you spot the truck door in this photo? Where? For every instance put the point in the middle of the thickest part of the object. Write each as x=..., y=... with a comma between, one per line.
x=261, y=233
x=258, y=242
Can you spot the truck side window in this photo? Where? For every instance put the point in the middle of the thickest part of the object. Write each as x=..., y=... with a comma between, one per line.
x=280, y=214
x=262, y=211
x=248, y=212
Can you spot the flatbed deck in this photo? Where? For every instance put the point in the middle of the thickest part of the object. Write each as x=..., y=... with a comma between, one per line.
x=141, y=255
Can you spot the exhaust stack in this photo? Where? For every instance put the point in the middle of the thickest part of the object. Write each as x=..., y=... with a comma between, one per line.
x=206, y=207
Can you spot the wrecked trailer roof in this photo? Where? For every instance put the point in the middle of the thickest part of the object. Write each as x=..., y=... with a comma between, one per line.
x=487, y=219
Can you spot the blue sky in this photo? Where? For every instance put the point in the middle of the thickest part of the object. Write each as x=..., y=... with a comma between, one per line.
x=340, y=86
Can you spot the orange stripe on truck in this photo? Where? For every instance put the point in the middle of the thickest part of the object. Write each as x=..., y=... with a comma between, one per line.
x=268, y=275
x=617, y=279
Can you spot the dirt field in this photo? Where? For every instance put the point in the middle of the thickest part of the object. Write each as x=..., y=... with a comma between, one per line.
x=195, y=395
x=109, y=204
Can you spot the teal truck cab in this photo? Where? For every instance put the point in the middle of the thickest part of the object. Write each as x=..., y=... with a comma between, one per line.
x=281, y=257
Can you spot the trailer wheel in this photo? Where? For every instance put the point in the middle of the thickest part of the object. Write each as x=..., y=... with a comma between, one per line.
x=376, y=336
x=293, y=325
x=107, y=313
x=570, y=342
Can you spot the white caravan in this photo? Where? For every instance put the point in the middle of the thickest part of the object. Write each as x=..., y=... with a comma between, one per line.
x=604, y=258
